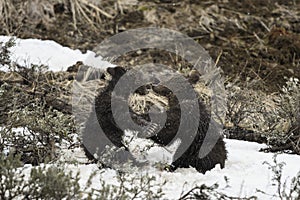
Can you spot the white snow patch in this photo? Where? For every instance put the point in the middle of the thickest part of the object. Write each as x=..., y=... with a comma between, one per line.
x=146, y=150
x=244, y=169
x=52, y=54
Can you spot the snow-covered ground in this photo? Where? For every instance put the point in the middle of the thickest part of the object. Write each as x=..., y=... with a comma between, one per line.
x=50, y=53
x=245, y=169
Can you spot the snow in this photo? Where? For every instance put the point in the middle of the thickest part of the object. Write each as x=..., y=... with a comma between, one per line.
x=146, y=150
x=245, y=168
x=52, y=54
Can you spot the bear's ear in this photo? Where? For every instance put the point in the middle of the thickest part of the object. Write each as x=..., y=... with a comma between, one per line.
x=116, y=71
x=194, y=76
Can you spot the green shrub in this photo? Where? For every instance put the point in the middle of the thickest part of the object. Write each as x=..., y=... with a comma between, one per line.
x=40, y=134
x=5, y=52
x=11, y=179
x=130, y=186
x=43, y=182
x=53, y=183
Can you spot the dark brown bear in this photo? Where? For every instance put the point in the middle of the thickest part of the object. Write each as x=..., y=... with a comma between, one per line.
x=189, y=158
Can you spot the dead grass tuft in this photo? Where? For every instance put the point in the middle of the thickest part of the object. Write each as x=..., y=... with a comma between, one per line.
x=7, y=11
x=88, y=11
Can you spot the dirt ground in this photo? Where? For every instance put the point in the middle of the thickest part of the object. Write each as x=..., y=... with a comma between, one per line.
x=256, y=40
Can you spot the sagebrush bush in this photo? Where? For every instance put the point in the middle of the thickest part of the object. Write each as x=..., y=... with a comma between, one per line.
x=23, y=105
x=286, y=136
x=11, y=179
x=5, y=52
x=130, y=186
x=55, y=182
x=51, y=182
x=284, y=192
x=39, y=135
x=270, y=118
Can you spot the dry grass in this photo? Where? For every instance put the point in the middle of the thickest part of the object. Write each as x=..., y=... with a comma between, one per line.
x=87, y=11
x=83, y=96
x=7, y=11
x=14, y=12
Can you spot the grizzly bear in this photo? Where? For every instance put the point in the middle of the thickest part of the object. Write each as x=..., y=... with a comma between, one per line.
x=103, y=117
